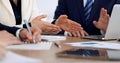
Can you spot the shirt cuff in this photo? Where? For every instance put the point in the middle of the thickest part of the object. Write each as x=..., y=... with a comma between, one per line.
x=65, y=33
x=102, y=32
x=18, y=33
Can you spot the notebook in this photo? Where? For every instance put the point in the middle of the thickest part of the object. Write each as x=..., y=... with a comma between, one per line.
x=113, y=31
x=38, y=46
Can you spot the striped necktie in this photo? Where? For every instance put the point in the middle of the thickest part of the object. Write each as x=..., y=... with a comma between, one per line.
x=87, y=9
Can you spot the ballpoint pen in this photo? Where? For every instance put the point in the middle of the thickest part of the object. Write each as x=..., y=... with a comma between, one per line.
x=28, y=28
x=57, y=45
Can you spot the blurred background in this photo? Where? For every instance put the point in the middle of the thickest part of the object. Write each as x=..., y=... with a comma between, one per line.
x=47, y=7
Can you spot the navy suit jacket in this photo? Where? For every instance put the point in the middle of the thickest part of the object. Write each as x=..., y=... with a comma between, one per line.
x=74, y=9
x=11, y=30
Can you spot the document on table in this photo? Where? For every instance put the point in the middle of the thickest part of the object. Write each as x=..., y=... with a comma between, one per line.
x=15, y=58
x=96, y=44
x=38, y=46
x=53, y=38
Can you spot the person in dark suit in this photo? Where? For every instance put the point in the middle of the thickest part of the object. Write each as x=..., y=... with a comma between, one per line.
x=22, y=34
x=75, y=10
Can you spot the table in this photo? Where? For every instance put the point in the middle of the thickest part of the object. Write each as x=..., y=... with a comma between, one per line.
x=49, y=56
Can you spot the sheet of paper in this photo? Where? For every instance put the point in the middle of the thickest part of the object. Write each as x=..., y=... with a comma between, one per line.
x=38, y=46
x=96, y=44
x=15, y=58
x=53, y=38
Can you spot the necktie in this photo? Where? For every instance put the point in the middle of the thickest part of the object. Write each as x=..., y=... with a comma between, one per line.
x=87, y=9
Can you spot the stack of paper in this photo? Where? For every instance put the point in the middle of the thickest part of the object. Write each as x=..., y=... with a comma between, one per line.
x=96, y=44
x=38, y=46
x=15, y=58
x=53, y=38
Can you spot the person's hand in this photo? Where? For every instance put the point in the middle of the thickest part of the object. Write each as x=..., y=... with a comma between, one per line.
x=47, y=28
x=3, y=51
x=68, y=25
x=81, y=33
x=26, y=36
x=8, y=39
x=103, y=20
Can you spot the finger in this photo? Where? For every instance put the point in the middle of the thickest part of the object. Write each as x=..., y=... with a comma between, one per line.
x=54, y=28
x=36, y=33
x=95, y=23
x=69, y=34
x=58, y=28
x=38, y=39
x=41, y=17
x=78, y=34
x=28, y=37
x=74, y=34
x=36, y=36
x=63, y=17
x=75, y=24
x=82, y=33
x=102, y=13
x=86, y=34
x=105, y=15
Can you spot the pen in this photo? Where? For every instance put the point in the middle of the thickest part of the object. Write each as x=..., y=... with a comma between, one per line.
x=57, y=45
x=28, y=28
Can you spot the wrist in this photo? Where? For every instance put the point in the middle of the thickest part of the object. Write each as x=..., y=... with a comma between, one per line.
x=20, y=34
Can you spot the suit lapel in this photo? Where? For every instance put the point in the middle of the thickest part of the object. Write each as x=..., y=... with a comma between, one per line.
x=8, y=6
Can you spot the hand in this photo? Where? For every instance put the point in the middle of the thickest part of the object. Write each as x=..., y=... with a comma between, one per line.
x=78, y=34
x=26, y=36
x=47, y=28
x=67, y=24
x=3, y=51
x=103, y=20
x=8, y=39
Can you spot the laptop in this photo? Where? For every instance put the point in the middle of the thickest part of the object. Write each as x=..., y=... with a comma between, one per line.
x=113, y=30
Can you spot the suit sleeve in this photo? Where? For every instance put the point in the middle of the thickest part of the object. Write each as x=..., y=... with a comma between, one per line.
x=118, y=2
x=60, y=10
x=11, y=30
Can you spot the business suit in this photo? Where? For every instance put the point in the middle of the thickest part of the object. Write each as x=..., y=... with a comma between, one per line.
x=74, y=9
x=29, y=12
x=11, y=30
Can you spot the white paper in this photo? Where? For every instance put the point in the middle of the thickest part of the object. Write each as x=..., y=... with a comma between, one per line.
x=53, y=38
x=15, y=58
x=96, y=44
x=38, y=46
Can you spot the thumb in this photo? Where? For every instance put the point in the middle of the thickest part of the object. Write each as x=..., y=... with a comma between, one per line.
x=41, y=17
x=95, y=23
x=64, y=16
x=28, y=37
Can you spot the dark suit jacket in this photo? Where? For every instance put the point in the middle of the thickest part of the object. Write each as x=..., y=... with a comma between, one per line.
x=74, y=9
x=11, y=30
